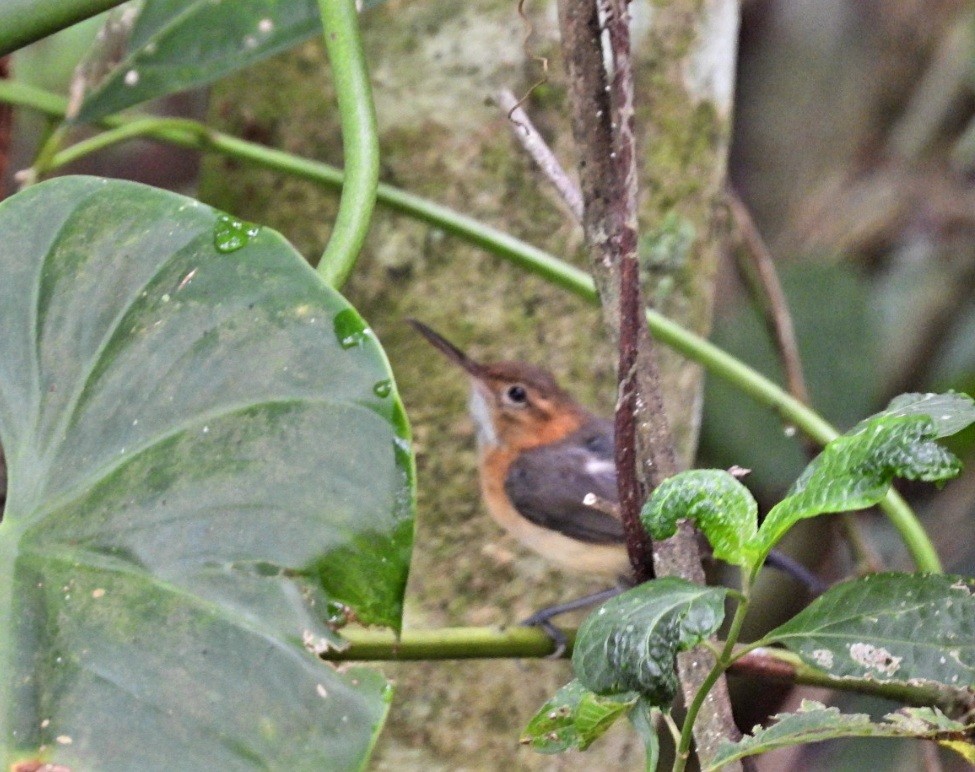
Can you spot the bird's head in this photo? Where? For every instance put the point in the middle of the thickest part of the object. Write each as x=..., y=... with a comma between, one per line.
x=514, y=404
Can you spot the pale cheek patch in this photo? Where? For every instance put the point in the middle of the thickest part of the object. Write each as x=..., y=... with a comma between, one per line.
x=481, y=414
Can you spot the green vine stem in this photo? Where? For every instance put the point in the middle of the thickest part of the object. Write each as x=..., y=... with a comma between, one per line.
x=25, y=21
x=129, y=130
x=360, y=139
x=45, y=157
x=193, y=134
x=752, y=660
x=548, y=267
x=446, y=643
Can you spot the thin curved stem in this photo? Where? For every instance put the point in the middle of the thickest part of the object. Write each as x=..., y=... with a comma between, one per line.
x=791, y=411
x=721, y=663
x=543, y=264
x=201, y=137
x=45, y=157
x=26, y=21
x=138, y=127
x=360, y=139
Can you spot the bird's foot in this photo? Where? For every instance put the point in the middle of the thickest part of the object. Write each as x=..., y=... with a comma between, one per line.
x=542, y=620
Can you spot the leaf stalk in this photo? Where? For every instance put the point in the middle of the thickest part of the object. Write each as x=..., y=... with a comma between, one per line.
x=360, y=139
x=721, y=664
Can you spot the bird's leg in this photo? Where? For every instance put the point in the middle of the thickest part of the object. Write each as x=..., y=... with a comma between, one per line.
x=813, y=584
x=542, y=619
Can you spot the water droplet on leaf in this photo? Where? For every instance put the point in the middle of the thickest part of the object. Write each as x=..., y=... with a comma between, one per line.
x=231, y=233
x=336, y=614
x=402, y=450
x=350, y=330
x=382, y=388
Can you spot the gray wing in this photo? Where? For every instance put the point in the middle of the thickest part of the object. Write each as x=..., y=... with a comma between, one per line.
x=547, y=485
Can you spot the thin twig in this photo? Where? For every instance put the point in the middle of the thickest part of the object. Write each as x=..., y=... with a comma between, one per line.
x=542, y=60
x=776, y=307
x=533, y=142
x=766, y=289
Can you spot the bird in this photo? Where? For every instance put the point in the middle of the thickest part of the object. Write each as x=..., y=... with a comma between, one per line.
x=547, y=471
x=540, y=452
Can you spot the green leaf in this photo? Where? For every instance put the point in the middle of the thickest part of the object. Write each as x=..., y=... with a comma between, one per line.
x=855, y=470
x=200, y=478
x=574, y=718
x=814, y=722
x=631, y=642
x=950, y=412
x=721, y=506
x=889, y=627
x=182, y=44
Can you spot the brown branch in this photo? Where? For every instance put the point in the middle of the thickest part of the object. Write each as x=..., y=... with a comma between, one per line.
x=603, y=123
x=533, y=142
x=609, y=221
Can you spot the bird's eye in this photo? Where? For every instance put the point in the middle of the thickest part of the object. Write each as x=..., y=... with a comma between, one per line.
x=516, y=395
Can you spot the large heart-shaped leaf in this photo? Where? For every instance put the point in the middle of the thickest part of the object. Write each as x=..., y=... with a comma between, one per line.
x=207, y=460
x=181, y=44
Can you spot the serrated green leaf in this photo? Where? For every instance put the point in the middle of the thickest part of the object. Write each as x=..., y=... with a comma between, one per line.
x=199, y=474
x=950, y=412
x=854, y=471
x=181, y=44
x=631, y=642
x=814, y=722
x=889, y=627
x=721, y=507
x=574, y=718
